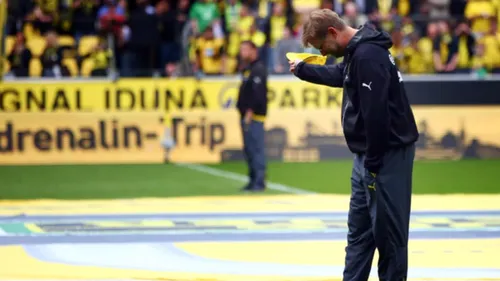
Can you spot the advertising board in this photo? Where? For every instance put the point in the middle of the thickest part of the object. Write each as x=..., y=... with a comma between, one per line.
x=314, y=135
x=81, y=138
x=166, y=95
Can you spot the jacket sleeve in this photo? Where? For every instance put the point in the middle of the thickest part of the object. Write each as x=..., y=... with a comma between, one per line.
x=329, y=75
x=259, y=87
x=372, y=83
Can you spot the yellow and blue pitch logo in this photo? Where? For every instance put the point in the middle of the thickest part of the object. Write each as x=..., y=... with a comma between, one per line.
x=228, y=95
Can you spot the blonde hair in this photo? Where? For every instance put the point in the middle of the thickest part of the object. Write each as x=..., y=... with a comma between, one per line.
x=316, y=26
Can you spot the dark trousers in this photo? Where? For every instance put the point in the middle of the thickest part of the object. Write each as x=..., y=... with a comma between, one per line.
x=254, y=151
x=379, y=217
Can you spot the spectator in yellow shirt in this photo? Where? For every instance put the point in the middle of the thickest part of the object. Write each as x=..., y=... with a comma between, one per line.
x=425, y=43
x=238, y=27
x=245, y=22
x=258, y=38
x=492, y=49
x=386, y=14
x=209, y=51
x=101, y=56
x=275, y=27
x=416, y=60
x=240, y=31
x=466, y=46
x=480, y=13
x=277, y=23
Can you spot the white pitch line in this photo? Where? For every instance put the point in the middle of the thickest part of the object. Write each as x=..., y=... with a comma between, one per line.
x=241, y=178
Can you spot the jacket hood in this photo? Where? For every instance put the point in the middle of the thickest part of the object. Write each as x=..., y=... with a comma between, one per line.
x=368, y=34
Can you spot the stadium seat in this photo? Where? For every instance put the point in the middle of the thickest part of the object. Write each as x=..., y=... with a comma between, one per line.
x=9, y=44
x=36, y=44
x=66, y=41
x=87, y=67
x=87, y=43
x=30, y=32
x=35, y=68
x=72, y=66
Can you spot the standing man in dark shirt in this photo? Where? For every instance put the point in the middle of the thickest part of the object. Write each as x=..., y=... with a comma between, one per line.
x=144, y=38
x=20, y=57
x=380, y=130
x=252, y=106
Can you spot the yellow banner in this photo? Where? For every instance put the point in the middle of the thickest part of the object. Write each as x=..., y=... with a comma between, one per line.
x=162, y=94
x=74, y=138
x=215, y=136
x=313, y=135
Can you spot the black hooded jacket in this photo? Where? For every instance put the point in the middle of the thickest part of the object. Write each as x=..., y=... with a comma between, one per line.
x=376, y=114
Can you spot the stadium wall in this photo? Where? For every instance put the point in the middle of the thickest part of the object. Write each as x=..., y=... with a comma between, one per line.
x=128, y=120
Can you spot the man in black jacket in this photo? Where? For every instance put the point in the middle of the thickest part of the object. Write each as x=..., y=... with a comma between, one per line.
x=380, y=130
x=252, y=106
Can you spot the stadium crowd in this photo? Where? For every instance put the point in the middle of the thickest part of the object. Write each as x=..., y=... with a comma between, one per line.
x=144, y=38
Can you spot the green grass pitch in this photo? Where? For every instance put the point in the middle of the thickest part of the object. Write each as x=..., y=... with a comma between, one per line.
x=168, y=180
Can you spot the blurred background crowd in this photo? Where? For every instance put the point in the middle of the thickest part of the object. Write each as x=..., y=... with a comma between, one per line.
x=145, y=38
